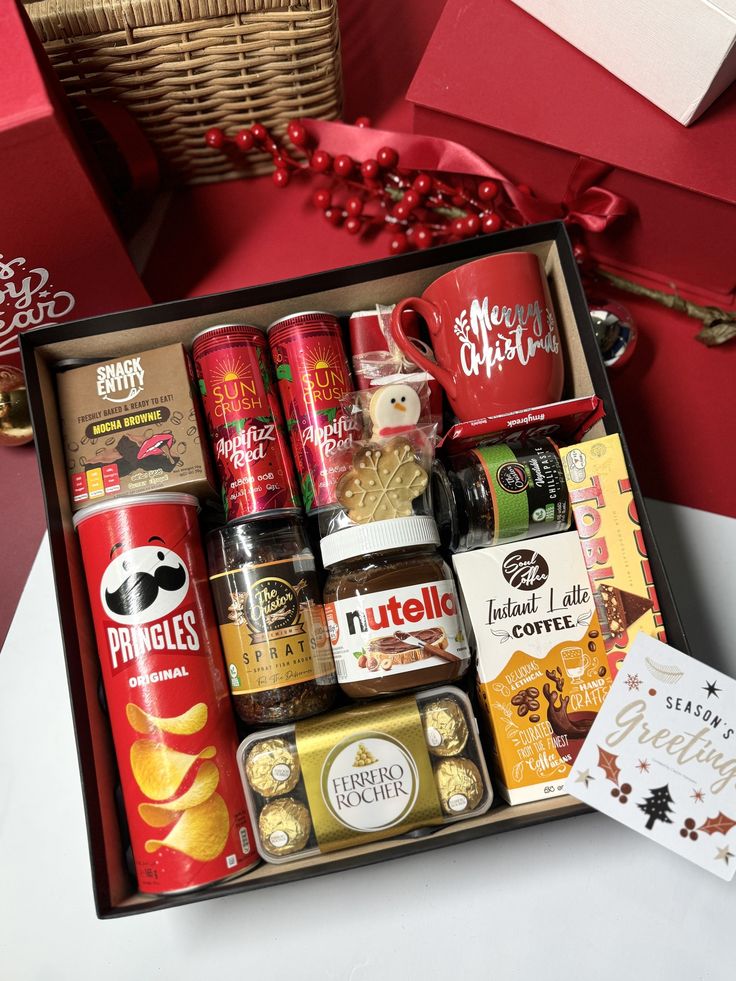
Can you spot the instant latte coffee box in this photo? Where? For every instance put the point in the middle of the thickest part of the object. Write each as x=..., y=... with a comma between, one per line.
x=131, y=425
x=542, y=669
x=613, y=544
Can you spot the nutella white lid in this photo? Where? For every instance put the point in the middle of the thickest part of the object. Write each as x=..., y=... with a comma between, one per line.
x=378, y=536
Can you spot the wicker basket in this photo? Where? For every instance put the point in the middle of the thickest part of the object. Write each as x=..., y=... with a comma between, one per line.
x=182, y=66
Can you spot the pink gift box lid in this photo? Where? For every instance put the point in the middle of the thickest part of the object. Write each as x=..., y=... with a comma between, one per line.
x=491, y=63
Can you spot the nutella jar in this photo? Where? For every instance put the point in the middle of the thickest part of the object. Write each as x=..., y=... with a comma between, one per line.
x=272, y=623
x=392, y=609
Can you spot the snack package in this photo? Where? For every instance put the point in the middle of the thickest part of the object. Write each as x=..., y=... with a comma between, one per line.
x=613, y=545
x=132, y=425
x=387, y=474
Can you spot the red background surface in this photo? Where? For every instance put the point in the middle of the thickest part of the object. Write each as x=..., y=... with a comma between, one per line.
x=673, y=396
x=535, y=123
x=52, y=215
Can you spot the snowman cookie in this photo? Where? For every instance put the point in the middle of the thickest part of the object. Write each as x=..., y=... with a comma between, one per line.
x=394, y=410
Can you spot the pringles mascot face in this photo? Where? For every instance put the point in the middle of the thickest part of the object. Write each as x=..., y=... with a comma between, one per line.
x=143, y=583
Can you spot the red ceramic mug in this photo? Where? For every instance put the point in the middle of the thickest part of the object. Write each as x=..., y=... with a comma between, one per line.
x=494, y=334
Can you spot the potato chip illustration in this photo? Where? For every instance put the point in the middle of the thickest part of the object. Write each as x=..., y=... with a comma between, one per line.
x=157, y=816
x=186, y=724
x=201, y=832
x=204, y=786
x=159, y=770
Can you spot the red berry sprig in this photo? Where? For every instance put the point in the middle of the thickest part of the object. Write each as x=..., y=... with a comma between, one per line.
x=368, y=196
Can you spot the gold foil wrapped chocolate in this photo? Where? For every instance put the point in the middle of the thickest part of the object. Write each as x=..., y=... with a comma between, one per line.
x=445, y=727
x=459, y=785
x=272, y=768
x=284, y=826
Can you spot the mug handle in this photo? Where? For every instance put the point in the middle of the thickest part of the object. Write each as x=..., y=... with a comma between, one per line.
x=428, y=312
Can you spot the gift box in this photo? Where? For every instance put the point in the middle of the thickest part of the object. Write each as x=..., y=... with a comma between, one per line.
x=341, y=291
x=60, y=252
x=533, y=106
x=679, y=54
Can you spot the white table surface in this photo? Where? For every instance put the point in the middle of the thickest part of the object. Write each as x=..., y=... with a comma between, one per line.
x=583, y=897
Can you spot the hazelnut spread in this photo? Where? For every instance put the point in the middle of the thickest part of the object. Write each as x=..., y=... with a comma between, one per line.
x=392, y=609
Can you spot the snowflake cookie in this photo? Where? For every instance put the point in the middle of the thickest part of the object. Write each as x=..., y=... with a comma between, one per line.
x=382, y=483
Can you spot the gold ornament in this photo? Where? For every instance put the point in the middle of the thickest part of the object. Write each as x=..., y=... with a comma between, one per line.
x=15, y=420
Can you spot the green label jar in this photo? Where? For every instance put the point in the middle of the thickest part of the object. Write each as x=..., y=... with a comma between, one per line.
x=500, y=493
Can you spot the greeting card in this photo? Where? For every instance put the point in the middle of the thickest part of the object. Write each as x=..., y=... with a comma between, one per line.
x=661, y=755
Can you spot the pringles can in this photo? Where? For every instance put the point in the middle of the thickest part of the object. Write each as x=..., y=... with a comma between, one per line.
x=313, y=378
x=245, y=422
x=163, y=674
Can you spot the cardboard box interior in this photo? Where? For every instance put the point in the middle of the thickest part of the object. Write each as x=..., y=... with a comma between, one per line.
x=360, y=287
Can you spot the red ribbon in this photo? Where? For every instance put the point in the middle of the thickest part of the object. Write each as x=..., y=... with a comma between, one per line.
x=586, y=204
x=134, y=148
x=583, y=203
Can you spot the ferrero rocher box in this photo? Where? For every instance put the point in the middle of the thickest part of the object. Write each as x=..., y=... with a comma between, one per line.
x=368, y=777
x=542, y=671
x=364, y=773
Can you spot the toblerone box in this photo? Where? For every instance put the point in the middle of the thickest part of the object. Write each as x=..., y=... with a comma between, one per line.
x=542, y=671
x=131, y=426
x=613, y=545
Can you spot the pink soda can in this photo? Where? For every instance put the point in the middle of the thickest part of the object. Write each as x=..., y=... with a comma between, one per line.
x=314, y=378
x=245, y=422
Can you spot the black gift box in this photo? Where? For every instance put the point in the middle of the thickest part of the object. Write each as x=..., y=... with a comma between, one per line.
x=339, y=291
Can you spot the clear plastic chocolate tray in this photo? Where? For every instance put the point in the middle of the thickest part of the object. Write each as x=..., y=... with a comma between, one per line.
x=363, y=773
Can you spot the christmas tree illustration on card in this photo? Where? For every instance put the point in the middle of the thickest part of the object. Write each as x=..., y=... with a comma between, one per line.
x=657, y=806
